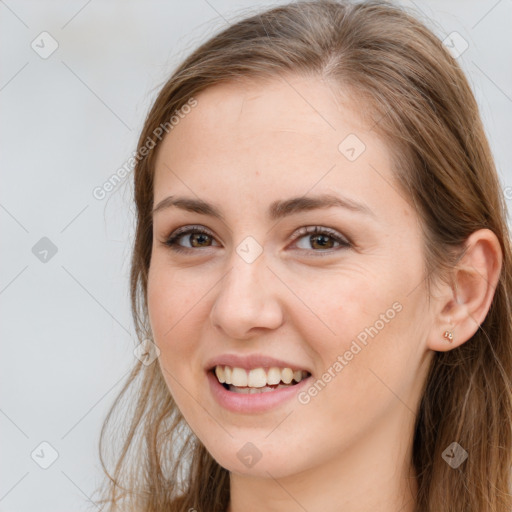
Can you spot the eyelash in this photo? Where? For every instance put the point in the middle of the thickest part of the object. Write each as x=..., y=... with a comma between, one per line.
x=172, y=240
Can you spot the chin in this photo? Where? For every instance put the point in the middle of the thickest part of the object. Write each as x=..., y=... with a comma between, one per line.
x=246, y=459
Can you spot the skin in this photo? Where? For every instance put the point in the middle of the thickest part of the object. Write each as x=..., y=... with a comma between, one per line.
x=244, y=146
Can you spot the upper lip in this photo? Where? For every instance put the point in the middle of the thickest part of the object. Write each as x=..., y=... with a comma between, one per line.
x=251, y=361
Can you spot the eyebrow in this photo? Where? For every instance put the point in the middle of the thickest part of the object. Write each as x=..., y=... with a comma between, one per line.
x=277, y=210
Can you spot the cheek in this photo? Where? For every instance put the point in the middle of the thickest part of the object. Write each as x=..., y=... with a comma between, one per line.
x=364, y=369
x=172, y=309
x=361, y=325
x=339, y=307
x=170, y=299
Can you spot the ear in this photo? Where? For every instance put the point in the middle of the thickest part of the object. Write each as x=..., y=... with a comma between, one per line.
x=462, y=307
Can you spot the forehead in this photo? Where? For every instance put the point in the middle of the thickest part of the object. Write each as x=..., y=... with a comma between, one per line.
x=288, y=135
x=301, y=107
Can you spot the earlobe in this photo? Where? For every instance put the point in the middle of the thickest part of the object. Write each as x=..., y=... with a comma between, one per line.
x=462, y=307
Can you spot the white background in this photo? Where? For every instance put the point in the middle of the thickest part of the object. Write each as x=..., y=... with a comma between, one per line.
x=68, y=122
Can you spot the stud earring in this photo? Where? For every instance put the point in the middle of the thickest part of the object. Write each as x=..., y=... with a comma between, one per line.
x=448, y=335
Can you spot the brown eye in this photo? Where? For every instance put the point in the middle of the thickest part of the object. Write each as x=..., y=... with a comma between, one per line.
x=199, y=238
x=317, y=239
x=321, y=239
x=196, y=236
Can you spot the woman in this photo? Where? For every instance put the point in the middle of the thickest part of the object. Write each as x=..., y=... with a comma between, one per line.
x=322, y=266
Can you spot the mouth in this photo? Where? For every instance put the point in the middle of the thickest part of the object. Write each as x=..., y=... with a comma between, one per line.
x=257, y=380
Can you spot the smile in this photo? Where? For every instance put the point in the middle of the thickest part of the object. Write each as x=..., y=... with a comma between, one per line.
x=257, y=380
x=256, y=390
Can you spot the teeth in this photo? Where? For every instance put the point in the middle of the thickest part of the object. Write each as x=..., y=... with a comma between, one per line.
x=287, y=375
x=239, y=377
x=219, y=371
x=257, y=378
x=274, y=375
x=252, y=391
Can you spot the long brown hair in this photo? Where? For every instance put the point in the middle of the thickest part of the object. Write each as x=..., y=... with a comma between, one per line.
x=424, y=108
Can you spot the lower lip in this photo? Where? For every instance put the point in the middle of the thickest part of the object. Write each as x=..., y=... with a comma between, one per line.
x=256, y=402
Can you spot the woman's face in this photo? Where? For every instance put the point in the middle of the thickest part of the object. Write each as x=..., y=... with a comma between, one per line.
x=346, y=304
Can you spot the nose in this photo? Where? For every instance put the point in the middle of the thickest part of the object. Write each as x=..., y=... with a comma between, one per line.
x=247, y=300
